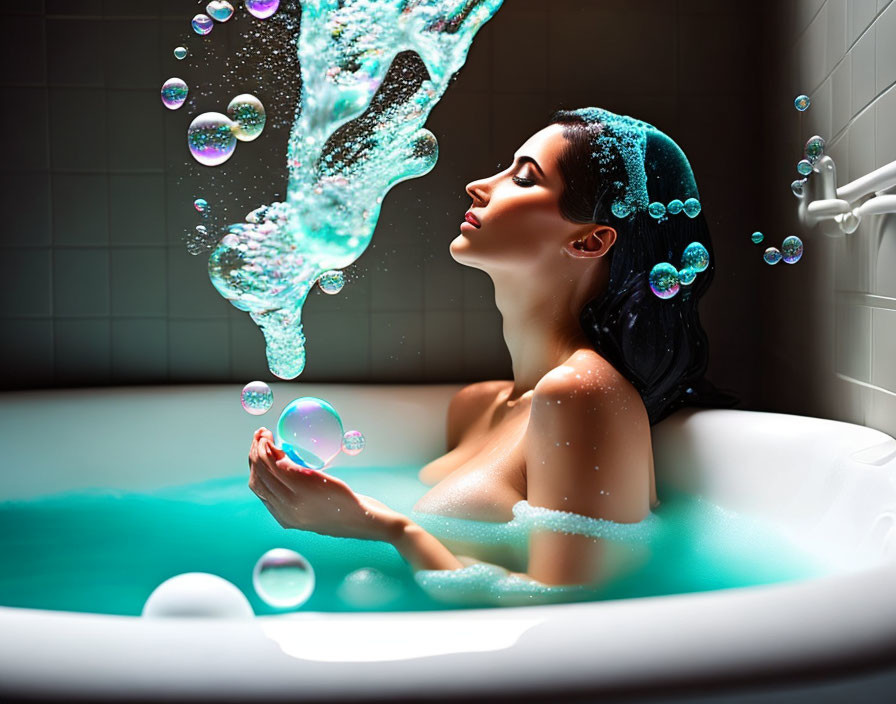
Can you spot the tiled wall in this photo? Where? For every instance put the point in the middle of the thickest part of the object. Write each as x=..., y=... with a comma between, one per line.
x=829, y=332
x=98, y=287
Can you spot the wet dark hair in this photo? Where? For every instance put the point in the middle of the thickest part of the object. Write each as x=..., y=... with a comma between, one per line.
x=658, y=344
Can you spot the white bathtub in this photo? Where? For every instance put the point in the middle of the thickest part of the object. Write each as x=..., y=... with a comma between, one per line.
x=831, y=486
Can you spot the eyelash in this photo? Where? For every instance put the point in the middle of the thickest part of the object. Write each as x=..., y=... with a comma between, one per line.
x=524, y=182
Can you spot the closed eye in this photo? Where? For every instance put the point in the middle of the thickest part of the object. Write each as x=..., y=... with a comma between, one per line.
x=524, y=182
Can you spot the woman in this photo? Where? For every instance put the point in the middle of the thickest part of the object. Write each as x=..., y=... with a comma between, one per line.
x=566, y=236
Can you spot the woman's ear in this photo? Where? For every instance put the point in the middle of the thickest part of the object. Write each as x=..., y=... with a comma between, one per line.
x=595, y=242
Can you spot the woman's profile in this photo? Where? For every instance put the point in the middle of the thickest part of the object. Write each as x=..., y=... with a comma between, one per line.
x=568, y=233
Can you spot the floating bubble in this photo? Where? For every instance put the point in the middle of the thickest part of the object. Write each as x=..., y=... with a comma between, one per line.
x=695, y=256
x=691, y=207
x=211, y=139
x=219, y=10
x=664, y=280
x=802, y=102
x=687, y=275
x=369, y=588
x=792, y=249
x=257, y=398
x=248, y=116
x=283, y=578
x=619, y=209
x=804, y=167
x=675, y=207
x=814, y=149
x=757, y=237
x=331, y=281
x=201, y=205
x=772, y=256
x=656, y=210
x=310, y=432
x=353, y=442
x=174, y=93
x=202, y=24
x=798, y=187
x=180, y=53
x=262, y=9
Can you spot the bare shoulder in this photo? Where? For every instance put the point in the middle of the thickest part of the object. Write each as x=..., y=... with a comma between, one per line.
x=587, y=378
x=467, y=404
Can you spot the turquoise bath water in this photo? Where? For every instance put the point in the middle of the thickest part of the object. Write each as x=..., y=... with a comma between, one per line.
x=104, y=551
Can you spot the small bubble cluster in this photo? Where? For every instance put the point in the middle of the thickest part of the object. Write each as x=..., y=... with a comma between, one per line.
x=283, y=578
x=353, y=442
x=801, y=102
x=202, y=24
x=331, y=281
x=257, y=398
x=174, y=93
x=665, y=280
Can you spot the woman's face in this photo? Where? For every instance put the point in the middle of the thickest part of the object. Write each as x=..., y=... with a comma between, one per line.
x=518, y=210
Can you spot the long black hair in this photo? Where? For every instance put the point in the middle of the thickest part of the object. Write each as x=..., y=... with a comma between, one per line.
x=658, y=344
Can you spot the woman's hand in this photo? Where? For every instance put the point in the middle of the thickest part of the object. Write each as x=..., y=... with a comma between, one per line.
x=307, y=499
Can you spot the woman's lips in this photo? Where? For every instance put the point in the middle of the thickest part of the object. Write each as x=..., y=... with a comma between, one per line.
x=472, y=219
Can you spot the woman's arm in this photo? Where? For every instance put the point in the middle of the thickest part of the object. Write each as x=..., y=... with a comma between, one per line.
x=423, y=551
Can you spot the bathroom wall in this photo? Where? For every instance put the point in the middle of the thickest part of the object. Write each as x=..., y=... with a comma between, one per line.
x=829, y=322
x=96, y=190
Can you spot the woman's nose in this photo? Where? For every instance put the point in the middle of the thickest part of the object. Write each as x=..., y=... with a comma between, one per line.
x=476, y=190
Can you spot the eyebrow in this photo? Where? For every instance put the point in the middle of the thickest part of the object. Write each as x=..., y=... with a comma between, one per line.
x=523, y=159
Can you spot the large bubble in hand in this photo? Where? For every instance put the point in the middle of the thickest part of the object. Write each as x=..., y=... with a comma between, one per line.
x=283, y=578
x=310, y=432
x=248, y=116
x=211, y=139
x=262, y=9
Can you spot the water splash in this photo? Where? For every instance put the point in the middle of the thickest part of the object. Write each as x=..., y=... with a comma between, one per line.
x=371, y=73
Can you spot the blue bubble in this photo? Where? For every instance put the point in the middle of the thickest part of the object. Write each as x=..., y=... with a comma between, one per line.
x=772, y=256
x=283, y=578
x=798, y=187
x=675, y=206
x=619, y=209
x=814, y=148
x=201, y=205
x=687, y=275
x=804, y=167
x=656, y=210
x=695, y=256
x=180, y=53
x=792, y=249
x=202, y=24
x=664, y=280
x=757, y=237
x=802, y=102
x=331, y=281
x=692, y=207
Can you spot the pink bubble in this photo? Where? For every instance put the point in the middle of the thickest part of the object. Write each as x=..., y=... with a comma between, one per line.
x=174, y=93
x=262, y=9
x=210, y=138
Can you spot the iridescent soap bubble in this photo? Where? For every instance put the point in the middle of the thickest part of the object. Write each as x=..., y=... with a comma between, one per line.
x=695, y=256
x=798, y=187
x=174, y=93
x=757, y=237
x=201, y=205
x=656, y=210
x=211, y=139
x=282, y=578
x=202, y=231
x=664, y=280
x=248, y=116
x=804, y=167
x=180, y=53
x=692, y=207
x=219, y=10
x=675, y=206
x=310, y=432
x=202, y=24
x=792, y=249
x=687, y=275
x=370, y=588
x=331, y=281
x=814, y=148
x=257, y=398
x=619, y=209
x=262, y=9
x=353, y=442
x=801, y=102
x=772, y=256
